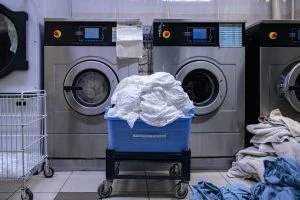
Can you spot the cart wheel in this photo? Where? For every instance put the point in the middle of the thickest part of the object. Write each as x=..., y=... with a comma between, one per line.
x=174, y=170
x=102, y=192
x=28, y=195
x=178, y=193
x=48, y=173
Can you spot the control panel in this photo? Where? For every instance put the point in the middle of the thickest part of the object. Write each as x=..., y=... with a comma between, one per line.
x=183, y=33
x=76, y=33
x=279, y=34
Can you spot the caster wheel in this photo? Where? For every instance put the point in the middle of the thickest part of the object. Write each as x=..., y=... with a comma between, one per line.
x=174, y=170
x=48, y=173
x=104, y=193
x=180, y=194
x=28, y=195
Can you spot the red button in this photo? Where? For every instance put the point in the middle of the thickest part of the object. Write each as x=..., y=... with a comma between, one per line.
x=166, y=34
x=273, y=35
x=57, y=34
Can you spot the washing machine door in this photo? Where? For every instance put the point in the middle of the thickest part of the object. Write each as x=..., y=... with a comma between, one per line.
x=205, y=84
x=292, y=87
x=13, y=41
x=88, y=87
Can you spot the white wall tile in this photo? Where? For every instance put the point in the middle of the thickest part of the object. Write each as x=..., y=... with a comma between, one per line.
x=58, y=8
x=147, y=10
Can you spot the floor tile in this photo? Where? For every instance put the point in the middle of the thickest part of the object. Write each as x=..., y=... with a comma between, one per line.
x=143, y=195
x=4, y=196
x=161, y=185
x=36, y=196
x=10, y=186
x=246, y=182
x=88, y=173
x=77, y=196
x=212, y=177
x=129, y=185
x=94, y=196
x=82, y=183
x=56, y=173
x=165, y=195
x=61, y=173
x=50, y=185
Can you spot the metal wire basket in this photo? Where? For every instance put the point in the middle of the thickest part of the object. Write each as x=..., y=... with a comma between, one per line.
x=23, y=137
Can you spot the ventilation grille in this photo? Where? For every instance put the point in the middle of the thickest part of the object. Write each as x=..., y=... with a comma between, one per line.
x=231, y=35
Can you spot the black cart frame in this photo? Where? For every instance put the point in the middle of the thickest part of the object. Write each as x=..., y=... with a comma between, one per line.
x=175, y=172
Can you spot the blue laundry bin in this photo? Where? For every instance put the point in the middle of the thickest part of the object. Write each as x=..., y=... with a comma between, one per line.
x=174, y=137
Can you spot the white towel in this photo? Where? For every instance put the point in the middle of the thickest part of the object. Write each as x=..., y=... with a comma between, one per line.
x=293, y=125
x=274, y=136
x=249, y=164
x=266, y=132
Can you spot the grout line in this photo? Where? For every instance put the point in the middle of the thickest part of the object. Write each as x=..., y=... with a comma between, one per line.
x=225, y=178
x=65, y=182
x=11, y=195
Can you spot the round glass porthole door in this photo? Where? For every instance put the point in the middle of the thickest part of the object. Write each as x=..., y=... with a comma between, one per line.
x=292, y=87
x=205, y=84
x=88, y=87
x=12, y=41
x=9, y=41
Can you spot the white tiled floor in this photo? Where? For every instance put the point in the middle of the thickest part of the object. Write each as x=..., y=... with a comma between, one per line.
x=47, y=189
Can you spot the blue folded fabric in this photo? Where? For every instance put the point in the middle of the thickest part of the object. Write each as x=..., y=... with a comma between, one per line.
x=235, y=192
x=282, y=182
x=282, y=172
x=261, y=191
x=208, y=191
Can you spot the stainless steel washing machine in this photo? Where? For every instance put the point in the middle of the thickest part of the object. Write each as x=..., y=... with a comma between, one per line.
x=272, y=69
x=208, y=58
x=81, y=73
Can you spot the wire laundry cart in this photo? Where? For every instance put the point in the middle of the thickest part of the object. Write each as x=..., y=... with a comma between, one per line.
x=168, y=144
x=23, y=137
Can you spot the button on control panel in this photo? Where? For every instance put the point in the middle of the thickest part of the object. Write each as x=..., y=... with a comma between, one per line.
x=273, y=35
x=57, y=34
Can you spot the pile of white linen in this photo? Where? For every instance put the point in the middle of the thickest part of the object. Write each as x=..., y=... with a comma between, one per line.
x=274, y=136
x=11, y=163
x=157, y=99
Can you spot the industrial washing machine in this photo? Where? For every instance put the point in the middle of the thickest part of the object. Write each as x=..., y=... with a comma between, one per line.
x=272, y=69
x=13, y=52
x=81, y=73
x=208, y=58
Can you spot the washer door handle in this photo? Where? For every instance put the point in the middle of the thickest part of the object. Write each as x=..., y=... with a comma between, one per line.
x=68, y=88
x=294, y=87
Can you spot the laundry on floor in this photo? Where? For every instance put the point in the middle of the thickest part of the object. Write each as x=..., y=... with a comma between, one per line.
x=273, y=136
x=157, y=99
x=282, y=181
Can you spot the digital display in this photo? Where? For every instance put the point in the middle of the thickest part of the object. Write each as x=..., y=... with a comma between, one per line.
x=199, y=33
x=298, y=35
x=91, y=33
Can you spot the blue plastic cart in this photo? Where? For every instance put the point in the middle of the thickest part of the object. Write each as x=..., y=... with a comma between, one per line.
x=148, y=143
